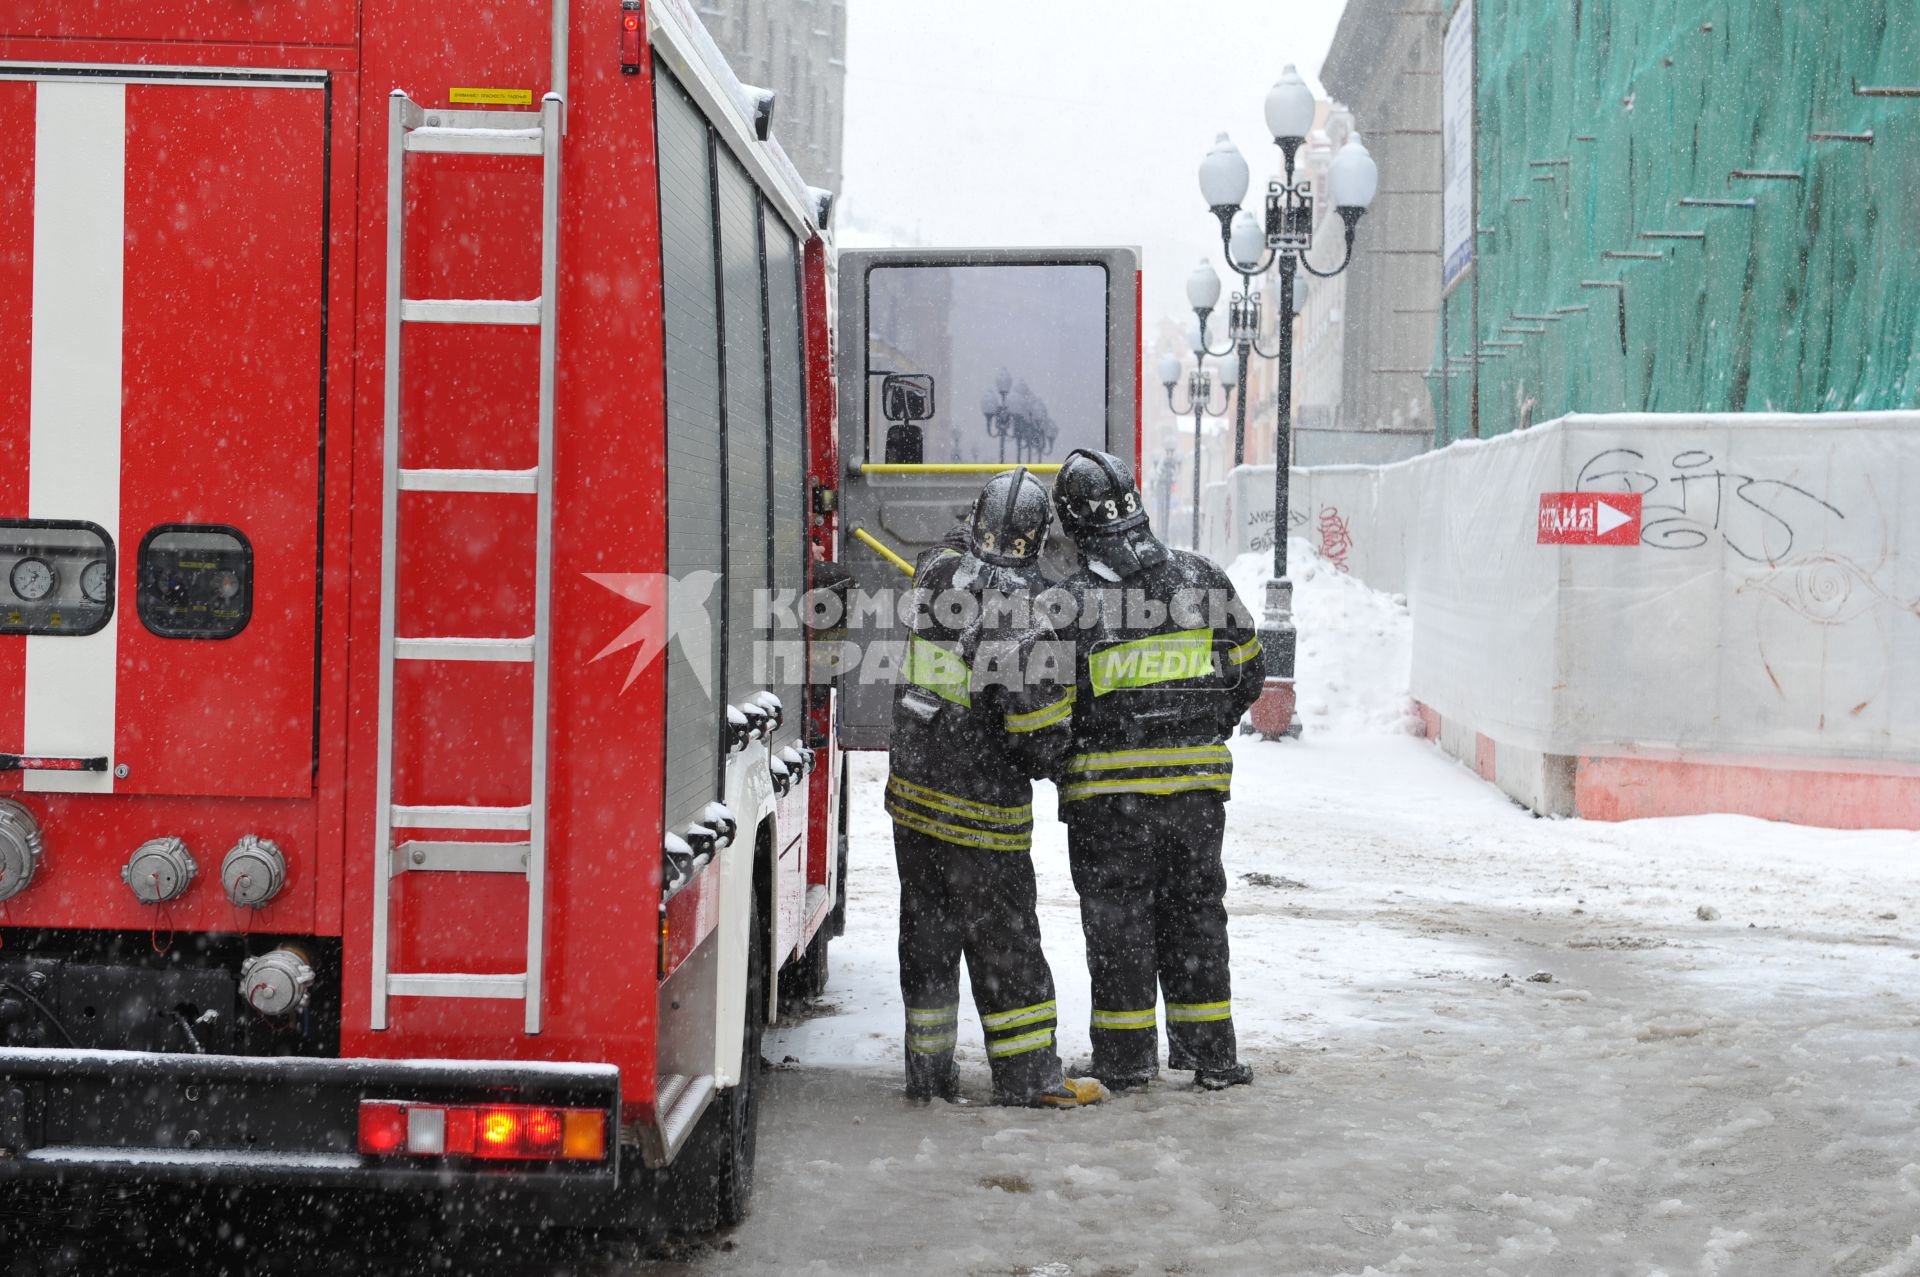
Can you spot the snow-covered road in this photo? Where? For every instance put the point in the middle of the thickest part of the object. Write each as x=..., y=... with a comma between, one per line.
x=1720, y=1076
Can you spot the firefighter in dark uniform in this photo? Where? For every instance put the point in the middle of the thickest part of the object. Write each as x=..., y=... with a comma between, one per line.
x=1168, y=662
x=979, y=714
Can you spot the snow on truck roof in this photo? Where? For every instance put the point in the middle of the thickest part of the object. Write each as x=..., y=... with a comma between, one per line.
x=677, y=33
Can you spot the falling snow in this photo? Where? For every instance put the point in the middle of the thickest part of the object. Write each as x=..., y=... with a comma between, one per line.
x=1683, y=1096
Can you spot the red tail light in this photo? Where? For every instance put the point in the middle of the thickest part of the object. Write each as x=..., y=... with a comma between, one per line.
x=493, y=1131
x=500, y=1130
x=383, y=1127
x=461, y=1126
x=540, y=1132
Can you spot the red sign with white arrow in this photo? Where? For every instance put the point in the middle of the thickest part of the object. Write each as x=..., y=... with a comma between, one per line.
x=1589, y=518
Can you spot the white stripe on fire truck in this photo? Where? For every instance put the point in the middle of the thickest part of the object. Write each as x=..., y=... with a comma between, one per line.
x=73, y=470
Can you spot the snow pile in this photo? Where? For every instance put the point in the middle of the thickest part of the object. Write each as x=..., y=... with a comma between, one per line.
x=1355, y=660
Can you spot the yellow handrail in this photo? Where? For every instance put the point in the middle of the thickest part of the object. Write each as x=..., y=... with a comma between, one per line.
x=951, y=467
x=872, y=542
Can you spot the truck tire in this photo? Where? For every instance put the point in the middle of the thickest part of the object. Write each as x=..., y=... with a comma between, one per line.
x=807, y=977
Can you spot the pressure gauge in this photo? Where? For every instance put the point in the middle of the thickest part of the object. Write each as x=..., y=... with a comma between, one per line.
x=96, y=579
x=32, y=579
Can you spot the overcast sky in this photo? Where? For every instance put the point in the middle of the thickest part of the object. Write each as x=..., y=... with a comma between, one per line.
x=1053, y=122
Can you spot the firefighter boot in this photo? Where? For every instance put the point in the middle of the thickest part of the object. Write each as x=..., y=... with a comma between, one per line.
x=1115, y=1080
x=1073, y=1092
x=1032, y=1079
x=1219, y=1079
x=932, y=1076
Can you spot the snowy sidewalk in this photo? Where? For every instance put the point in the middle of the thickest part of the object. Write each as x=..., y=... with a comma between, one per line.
x=1722, y=1075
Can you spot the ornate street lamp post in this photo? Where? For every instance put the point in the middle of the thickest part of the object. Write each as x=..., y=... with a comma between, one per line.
x=1012, y=410
x=993, y=405
x=1243, y=336
x=1253, y=249
x=1199, y=401
x=1168, y=466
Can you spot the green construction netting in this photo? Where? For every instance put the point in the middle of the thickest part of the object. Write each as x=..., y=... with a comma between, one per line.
x=1598, y=117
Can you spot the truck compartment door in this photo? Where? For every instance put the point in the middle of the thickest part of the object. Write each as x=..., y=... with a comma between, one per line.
x=997, y=357
x=160, y=427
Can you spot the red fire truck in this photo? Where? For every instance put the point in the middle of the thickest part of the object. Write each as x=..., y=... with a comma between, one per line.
x=395, y=787
x=416, y=427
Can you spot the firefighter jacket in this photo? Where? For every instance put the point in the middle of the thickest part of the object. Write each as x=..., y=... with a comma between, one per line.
x=983, y=707
x=1168, y=662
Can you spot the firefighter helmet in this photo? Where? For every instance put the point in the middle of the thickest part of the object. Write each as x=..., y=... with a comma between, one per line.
x=1095, y=495
x=1010, y=519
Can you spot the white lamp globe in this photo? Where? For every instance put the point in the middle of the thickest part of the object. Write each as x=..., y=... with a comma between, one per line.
x=1196, y=340
x=1246, y=242
x=1353, y=177
x=1169, y=369
x=1021, y=401
x=1223, y=174
x=1229, y=373
x=1003, y=381
x=1203, y=287
x=989, y=404
x=1290, y=106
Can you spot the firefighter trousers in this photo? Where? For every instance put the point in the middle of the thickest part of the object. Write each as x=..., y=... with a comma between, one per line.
x=1152, y=904
x=975, y=903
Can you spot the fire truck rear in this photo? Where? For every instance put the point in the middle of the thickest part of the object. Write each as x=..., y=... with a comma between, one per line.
x=404, y=413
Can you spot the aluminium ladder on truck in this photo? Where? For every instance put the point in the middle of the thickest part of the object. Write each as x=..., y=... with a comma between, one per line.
x=418, y=130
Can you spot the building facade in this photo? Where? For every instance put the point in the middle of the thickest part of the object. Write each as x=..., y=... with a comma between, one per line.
x=1367, y=337
x=1688, y=207
x=797, y=48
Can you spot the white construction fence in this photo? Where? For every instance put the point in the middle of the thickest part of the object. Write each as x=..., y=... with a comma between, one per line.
x=1647, y=614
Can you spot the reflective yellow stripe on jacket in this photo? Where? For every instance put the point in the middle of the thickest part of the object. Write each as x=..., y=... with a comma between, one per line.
x=1158, y=658
x=1046, y=716
x=940, y=671
x=958, y=820
x=1176, y=770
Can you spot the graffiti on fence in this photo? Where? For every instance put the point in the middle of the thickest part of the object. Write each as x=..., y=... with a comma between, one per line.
x=1700, y=498
x=1260, y=528
x=1335, y=538
x=1824, y=637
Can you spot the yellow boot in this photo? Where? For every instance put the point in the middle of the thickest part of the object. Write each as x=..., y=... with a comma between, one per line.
x=1074, y=1092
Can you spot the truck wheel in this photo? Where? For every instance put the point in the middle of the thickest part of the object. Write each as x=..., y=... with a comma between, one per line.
x=807, y=977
